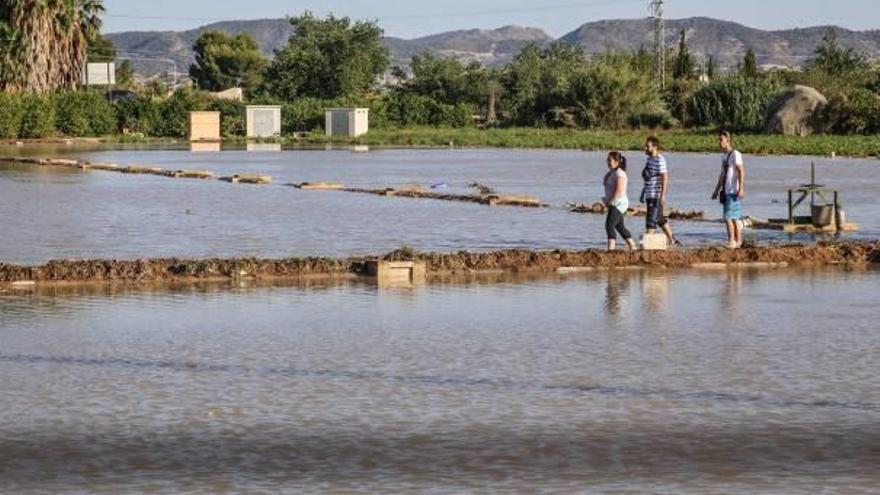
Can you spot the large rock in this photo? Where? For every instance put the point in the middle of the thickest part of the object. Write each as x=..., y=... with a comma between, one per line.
x=791, y=110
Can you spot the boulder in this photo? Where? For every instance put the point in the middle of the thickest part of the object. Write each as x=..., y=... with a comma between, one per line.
x=791, y=111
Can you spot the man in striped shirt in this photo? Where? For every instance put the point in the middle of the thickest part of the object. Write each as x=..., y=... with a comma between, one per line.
x=656, y=176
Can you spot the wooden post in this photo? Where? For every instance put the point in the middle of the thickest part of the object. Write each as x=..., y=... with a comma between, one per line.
x=790, y=207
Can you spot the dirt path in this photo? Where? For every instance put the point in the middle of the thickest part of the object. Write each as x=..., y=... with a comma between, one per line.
x=511, y=261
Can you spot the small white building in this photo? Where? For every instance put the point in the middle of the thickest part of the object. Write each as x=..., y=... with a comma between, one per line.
x=263, y=121
x=347, y=122
x=99, y=74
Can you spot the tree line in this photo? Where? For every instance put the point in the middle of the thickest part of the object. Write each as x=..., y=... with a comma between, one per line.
x=335, y=61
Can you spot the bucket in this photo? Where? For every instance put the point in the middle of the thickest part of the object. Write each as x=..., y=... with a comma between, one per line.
x=822, y=215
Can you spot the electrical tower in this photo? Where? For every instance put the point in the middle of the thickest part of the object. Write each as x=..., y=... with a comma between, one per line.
x=656, y=7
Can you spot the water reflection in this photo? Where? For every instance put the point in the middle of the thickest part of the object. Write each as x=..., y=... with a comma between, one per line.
x=504, y=382
x=205, y=147
x=263, y=147
x=616, y=292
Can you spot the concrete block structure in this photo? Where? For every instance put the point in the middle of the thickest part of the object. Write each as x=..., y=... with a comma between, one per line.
x=654, y=242
x=263, y=121
x=204, y=126
x=398, y=273
x=347, y=122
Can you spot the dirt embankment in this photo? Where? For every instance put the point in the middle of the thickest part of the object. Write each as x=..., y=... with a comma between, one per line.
x=512, y=261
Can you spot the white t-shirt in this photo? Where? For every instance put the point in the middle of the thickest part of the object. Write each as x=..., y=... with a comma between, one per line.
x=731, y=176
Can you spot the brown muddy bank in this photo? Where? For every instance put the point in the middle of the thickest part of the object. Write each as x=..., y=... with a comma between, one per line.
x=511, y=261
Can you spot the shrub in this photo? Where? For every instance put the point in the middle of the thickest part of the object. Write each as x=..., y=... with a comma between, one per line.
x=175, y=111
x=11, y=113
x=83, y=113
x=735, y=103
x=303, y=114
x=415, y=110
x=855, y=112
x=232, y=117
x=138, y=115
x=652, y=120
x=611, y=90
x=38, y=116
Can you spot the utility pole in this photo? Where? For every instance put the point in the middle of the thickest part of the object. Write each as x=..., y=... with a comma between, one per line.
x=656, y=7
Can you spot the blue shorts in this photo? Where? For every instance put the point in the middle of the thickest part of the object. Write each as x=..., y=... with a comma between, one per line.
x=732, y=208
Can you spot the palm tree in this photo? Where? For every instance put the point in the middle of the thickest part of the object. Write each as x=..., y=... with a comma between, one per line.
x=46, y=49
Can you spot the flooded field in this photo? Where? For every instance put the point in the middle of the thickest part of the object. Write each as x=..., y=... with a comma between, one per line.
x=61, y=213
x=598, y=383
x=660, y=381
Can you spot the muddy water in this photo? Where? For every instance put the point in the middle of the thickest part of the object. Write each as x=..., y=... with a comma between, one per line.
x=736, y=382
x=72, y=214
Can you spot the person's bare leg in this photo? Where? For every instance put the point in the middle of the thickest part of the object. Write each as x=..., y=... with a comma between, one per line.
x=731, y=233
x=631, y=244
x=668, y=231
x=612, y=244
x=738, y=233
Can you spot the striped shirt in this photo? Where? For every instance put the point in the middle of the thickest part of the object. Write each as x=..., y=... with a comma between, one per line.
x=653, y=176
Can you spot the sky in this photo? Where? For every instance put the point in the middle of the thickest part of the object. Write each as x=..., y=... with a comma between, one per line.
x=410, y=19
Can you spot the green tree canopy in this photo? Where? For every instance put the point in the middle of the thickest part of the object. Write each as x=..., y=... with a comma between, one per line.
x=224, y=61
x=750, y=64
x=328, y=58
x=447, y=80
x=125, y=75
x=684, y=63
x=538, y=80
x=836, y=60
x=101, y=49
x=711, y=67
x=44, y=43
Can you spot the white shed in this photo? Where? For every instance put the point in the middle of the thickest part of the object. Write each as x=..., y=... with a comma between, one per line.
x=350, y=122
x=263, y=121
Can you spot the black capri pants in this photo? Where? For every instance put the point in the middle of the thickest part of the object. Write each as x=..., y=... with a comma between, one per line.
x=614, y=224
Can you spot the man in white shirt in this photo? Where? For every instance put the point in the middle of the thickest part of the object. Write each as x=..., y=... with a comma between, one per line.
x=730, y=189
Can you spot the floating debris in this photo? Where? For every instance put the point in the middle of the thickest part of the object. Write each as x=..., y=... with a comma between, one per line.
x=248, y=179
x=599, y=208
x=421, y=193
x=482, y=188
x=309, y=186
x=801, y=225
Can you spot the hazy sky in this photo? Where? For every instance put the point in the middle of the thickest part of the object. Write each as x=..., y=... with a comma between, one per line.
x=408, y=19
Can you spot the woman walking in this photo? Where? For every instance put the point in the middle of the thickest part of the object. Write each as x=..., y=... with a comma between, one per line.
x=616, y=201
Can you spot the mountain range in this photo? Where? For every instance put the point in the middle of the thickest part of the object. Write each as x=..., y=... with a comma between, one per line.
x=154, y=52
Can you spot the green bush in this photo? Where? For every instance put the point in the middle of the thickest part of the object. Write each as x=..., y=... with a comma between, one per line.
x=856, y=112
x=415, y=110
x=610, y=91
x=652, y=120
x=303, y=114
x=11, y=113
x=232, y=117
x=138, y=115
x=736, y=103
x=83, y=113
x=174, y=113
x=38, y=116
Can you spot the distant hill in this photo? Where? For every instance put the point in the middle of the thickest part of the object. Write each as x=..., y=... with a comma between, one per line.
x=491, y=47
x=726, y=41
